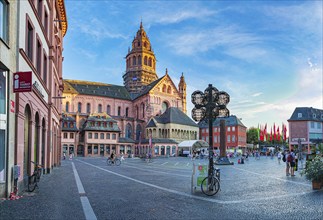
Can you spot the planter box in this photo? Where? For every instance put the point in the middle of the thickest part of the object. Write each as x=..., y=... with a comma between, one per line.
x=316, y=184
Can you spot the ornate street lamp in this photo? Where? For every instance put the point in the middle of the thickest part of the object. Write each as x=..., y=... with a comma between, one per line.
x=208, y=106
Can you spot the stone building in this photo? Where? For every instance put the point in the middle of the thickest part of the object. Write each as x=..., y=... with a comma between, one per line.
x=31, y=66
x=305, y=128
x=118, y=115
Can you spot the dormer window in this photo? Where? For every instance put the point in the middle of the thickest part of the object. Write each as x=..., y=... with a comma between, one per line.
x=299, y=115
x=314, y=115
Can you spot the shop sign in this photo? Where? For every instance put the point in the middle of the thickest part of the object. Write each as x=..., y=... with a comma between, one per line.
x=22, y=81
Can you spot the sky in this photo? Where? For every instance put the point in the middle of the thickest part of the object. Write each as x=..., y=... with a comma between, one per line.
x=267, y=55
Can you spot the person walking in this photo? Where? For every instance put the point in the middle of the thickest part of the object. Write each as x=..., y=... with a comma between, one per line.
x=64, y=156
x=279, y=156
x=291, y=160
x=287, y=163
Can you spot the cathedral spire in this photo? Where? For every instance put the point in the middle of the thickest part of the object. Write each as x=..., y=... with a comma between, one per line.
x=182, y=91
x=141, y=27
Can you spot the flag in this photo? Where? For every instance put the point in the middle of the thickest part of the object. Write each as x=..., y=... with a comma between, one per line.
x=271, y=134
x=275, y=132
x=261, y=131
x=278, y=134
x=285, y=131
x=258, y=133
x=265, y=132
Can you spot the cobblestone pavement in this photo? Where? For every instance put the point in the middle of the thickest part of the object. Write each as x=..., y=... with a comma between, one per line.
x=258, y=189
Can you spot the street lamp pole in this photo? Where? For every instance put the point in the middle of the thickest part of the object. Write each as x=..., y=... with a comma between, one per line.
x=208, y=106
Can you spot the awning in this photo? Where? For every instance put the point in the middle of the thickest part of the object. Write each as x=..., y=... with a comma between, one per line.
x=195, y=144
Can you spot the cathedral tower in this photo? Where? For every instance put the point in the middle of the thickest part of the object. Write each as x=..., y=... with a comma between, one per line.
x=182, y=92
x=140, y=63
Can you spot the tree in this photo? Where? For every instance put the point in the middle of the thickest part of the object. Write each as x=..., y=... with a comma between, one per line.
x=252, y=136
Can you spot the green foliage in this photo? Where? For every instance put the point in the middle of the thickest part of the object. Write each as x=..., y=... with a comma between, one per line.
x=252, y=136
x=314, y=169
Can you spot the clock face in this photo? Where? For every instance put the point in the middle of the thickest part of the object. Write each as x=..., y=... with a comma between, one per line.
x=164, y=107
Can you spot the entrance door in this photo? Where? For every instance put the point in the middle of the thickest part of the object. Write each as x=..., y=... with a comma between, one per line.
x=80, y=151
x=3, y=122
x=101, y=150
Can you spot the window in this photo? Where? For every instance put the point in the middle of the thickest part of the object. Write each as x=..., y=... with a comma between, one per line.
x=233, y=138
x=101, y=135
x=46, y=23
x=95, y=149
x=38, y=57
x=114, y=136
x=215, y=139
x=90, y=135
x=88, y=108
x=145, y=60
x=99, y=108
x=40, y=9
x=108, y=109
x=319, y=125
x=71, y=135
x=119, y=111
x=108, y=136
x=139, y=60
x=233, y=128
x=228, y=138
x=45, y=70
x=79, y=107
x=299, y=115
x=96, y=135
x=229, y=129
x=314, y=115
x=4, y=14
x=312, y=124
x=30, y=41
x=67, y=107
x=134, y=61
x=127, y=112
x=89, y=149
x=65, y=135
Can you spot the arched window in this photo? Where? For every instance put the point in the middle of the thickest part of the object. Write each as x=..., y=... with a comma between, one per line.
x=139, y=60
x=137, y=112
x=133, y=60
x=169, y=90
x=128, y=131
x=79, y=107
x=67, y=107
x=164, y=106
x=143, y=109
x=145, y=60
x=127, y=112
x=149, y=62
x=108, y=109
x=88, y=108
x=99, y=108
x=164, y=88
x=145, y=44
x=119, y=111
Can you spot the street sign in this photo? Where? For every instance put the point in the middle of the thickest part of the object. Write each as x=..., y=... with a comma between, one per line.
x=296, y=139
x=22, y=81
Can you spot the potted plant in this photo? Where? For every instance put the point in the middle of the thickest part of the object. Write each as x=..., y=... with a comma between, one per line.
x=314, y=172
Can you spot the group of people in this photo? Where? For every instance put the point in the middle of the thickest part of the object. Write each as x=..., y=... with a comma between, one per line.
x=290, y=158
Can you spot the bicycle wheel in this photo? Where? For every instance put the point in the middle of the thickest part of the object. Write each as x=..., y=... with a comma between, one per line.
x=32, y=183
x=109, y=162
x=117, y=162
x=210, y=188
x=39, y=171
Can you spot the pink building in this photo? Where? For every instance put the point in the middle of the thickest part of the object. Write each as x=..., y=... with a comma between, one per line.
x=305, y=128
x=41, y=28
x=114, y=118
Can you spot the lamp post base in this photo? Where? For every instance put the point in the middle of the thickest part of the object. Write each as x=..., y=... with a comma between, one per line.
x=223, y=161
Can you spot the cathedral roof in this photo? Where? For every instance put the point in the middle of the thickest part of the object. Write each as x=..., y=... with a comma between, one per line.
x=175, y=116
x=146, y=89
x=96, y=89
x=151, y=124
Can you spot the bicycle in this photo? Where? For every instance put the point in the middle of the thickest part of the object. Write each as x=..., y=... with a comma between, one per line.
x=115, y=162
x=35, y=177
x=211, y=185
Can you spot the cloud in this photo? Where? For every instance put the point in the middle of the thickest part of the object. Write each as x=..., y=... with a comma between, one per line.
x=98, y=30
x=257, y=94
